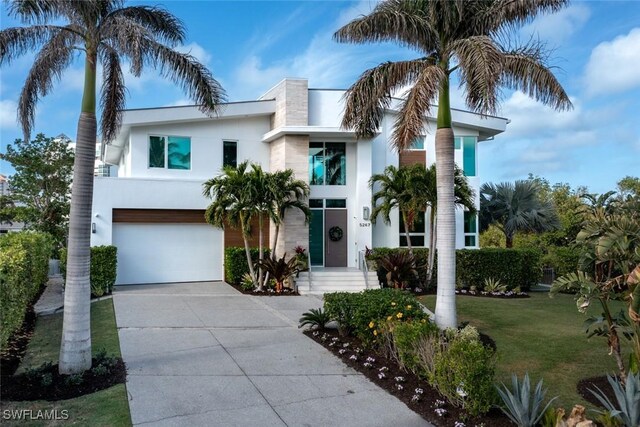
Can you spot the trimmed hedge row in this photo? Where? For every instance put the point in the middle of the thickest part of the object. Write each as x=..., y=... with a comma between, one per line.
x=24, y=269
x=104, y=263
x=513, y=267
x=563, y=259
x=235, y=263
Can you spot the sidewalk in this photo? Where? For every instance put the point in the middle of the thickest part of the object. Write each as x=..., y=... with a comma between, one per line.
x=204, y=354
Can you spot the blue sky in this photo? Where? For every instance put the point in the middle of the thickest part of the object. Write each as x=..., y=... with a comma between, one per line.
x=250, y=46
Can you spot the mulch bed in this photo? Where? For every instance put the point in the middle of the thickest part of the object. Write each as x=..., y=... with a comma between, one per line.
x=16, y=347
x=602, y=383
x=58, y=387
x=285, y=293
x=426, y=405
x=434, y=291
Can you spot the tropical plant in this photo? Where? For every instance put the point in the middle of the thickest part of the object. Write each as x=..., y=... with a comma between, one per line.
x=609, y=270
x=400, y=268
x=627, y=395
x=515, y=208
x=494, y=285
x=279, y=269
x=314, y=318
x=520, y=405
x=105, y=32
x=451, y=37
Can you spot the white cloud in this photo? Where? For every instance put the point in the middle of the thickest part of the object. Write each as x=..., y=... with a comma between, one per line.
x=8, y=110
x=197, y=51
x=558, y=27
x=614, y=66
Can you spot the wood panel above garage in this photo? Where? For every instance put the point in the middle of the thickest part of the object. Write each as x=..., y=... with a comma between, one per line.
x=167, y=216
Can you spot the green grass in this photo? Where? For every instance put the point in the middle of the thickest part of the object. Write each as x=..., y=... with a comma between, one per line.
x=540, y=335
x=108, y=407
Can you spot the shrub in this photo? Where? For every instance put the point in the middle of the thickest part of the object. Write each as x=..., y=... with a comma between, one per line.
x=314, y=318
x=103, y=269
x=522, y=406
x=421, y=256
x=406, y=339
x=627, y=406
x=563, y=260
x=464, y=371
x=235, y=263
x=24, y=269
x=400, y=268
x=512, y=267
x=363, y=313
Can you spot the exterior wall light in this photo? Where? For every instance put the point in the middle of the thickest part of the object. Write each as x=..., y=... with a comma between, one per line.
x=93, y=227
x=365, y=213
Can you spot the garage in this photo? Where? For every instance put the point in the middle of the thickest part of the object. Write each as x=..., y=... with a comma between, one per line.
x=166, y=246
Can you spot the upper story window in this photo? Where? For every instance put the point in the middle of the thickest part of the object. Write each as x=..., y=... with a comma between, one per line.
x=170, y=152
x=470, y=229
x=230, y=153
x=418, y=143
x=327, y=163
x=469, y=149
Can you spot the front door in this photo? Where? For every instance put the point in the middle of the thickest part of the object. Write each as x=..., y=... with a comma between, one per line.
x=335, y=237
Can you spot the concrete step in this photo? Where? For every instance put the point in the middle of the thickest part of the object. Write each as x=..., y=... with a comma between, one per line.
x=334, y=281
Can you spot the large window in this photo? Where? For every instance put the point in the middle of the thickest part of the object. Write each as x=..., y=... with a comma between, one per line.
x=416, y=234
x=418, y=143
x=470, y=229
x=469, y=155
x=327, y=163
x=230, y=153
x=170, y=152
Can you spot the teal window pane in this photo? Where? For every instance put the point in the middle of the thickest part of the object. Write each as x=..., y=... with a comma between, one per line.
x=179, y=152
x=470, y=241
x=316, y=233
x=418, y=143
x=457, y=141
x=230, y=153
x=336, y=203
x=156, y=152
x=336, y=163
x=315, y=203
x=418, y=224
x=316, y=163
x=469, y=155
x=470, y=222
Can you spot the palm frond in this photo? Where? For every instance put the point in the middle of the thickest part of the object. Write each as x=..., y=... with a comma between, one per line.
x=512, y=13
x=367, y=98
x=412, y=117
x=158, y=21
x=15, y=42
x=525, y=69
x=113, y=95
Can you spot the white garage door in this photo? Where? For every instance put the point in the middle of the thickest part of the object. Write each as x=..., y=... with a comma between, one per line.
x=166, y=253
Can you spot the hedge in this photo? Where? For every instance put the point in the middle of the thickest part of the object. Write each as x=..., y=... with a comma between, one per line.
x=513, y=267
x=24, y=269
x=562, y=259
x=422, y=258
x=104, y=263
x=235, y=263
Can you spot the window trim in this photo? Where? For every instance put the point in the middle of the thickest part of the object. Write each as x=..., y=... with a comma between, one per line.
x=473, y=234
x=424, y=144
x=166, y=151
x=424, y=234
x=324, y=168
x=235, y=141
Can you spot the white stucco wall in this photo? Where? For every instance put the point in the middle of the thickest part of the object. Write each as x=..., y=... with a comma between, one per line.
x=325, y=107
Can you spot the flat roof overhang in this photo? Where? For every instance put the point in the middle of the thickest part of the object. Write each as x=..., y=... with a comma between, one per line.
x=311, y=131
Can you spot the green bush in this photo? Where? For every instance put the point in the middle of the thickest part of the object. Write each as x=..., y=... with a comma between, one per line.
x=422, y=259
x=464, y=371
x=562, y=259
x=406, y=339
x=513, y=267
x=235, y=263
x=361, y=313
x=103, y=269
x=24, y=269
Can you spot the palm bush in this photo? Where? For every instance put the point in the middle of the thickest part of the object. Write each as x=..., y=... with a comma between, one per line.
x=520, y=405
x=627, y=397
x=315, y=318
x=400, y=267
x=279, y=269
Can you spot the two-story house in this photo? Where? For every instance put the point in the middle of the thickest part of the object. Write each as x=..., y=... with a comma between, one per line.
x=153, y=210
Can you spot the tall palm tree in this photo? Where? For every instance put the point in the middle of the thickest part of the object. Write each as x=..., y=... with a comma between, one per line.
x=516, y=207
x=453, y=37
x=106, y=33
x=232, y=204
x=287, y=193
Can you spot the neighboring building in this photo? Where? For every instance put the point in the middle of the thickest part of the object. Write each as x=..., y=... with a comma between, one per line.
x=153, y=210
x=6, y=227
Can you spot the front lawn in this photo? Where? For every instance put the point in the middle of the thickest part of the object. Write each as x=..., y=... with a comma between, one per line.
x=541, y=335
x=108, y=407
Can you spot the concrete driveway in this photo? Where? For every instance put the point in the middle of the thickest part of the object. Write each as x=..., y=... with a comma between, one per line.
x=204, y=354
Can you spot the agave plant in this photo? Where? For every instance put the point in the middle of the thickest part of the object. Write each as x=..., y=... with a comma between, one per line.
x=520, y=405
x=315, y=318
x=628, y=397
x=494, y=285
x=279, y=269
x=400, y=267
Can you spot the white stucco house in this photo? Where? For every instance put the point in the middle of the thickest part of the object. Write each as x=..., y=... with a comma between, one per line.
x=153, y=209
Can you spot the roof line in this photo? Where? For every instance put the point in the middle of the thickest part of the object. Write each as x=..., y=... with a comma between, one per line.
x=195, y=105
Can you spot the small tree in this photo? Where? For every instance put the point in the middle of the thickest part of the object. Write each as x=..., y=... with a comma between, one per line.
x=41, y=186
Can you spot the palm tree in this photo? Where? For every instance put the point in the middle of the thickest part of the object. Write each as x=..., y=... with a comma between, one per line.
x=514, y=208
x=452, y=37
x=232, y=204
x=287, y=193
x=106, y=32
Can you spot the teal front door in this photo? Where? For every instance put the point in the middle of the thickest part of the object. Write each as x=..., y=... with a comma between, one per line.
x=316, y=240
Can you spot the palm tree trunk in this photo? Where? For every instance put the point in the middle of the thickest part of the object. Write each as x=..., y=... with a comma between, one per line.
x=509, y=241
x=75, y=347
x=260, y=250
x=432, y=244
x=245, y=239
x=406, y=233
x=275, y=240
x=445, y=313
